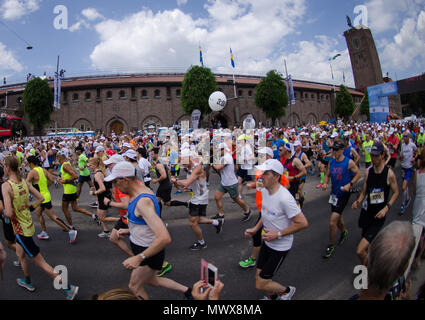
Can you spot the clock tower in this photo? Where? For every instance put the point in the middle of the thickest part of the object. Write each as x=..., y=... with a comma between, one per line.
x=364, y=57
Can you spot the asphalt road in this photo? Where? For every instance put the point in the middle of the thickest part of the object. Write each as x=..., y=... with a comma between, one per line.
x=95, y=264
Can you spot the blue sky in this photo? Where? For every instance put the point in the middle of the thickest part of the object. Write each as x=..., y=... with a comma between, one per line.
x=163, y=36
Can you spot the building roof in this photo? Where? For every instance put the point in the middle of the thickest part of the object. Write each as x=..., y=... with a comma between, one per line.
x=170, y=78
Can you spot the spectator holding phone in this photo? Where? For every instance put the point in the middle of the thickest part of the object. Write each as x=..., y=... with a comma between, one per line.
x=208, y=293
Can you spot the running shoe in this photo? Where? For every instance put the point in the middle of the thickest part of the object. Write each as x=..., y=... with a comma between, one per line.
x=407, y=203
x=104, y=234
x=343, y=237
x=72, y=236
x=248, y=263
x=319, y=186
x=218, y=216
x=166, y=267
x=402, y=208
x=43, y=236
x=287, y=296
x=71, y=292
x=220, y=226
x=94, y=204
x=23, y=283
x=246, y=216
x=96, y=219
x=328, y=252
x=198, y=246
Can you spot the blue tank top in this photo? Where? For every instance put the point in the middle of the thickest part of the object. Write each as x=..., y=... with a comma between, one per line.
x=132, y=207
x=347, y=152
x=340, y=175
x=326, y=149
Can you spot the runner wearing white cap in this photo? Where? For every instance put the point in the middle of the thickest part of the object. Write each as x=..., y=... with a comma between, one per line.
x=281, y=218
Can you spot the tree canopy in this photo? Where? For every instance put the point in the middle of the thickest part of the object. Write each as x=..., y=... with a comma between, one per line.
x=38, y=102
x=198, y=84
x=344, y=103
x=271, y=96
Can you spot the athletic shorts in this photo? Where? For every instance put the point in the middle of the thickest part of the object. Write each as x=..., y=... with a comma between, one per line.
x=69, y=197
x=9, y=235
x=325, y=162
x=370, y=225
x=342, y=202
x=269, y=261
x=155, y=262
x=28, y=244
x=257, y=238
x=407, y=174
x=82, y=179
x=243, y=173
x=120, y=225
x=197, y=210
x=164, y=193
x=47, y=205
x=232, y=190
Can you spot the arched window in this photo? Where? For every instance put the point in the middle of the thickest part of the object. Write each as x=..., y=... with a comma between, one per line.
x=250, y=93
x=178, y=93
x=87, y=96
x=240, y=93
x=109, y=95
x=122, y=95
x=145, y=94
x=157, y=94
x=75, y=97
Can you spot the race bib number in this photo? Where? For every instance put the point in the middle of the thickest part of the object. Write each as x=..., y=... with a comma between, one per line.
x=368, y=149
x=377, y=196
x=333, y=200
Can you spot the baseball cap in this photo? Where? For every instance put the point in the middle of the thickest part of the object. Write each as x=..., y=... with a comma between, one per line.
x=127, y=145
x=334, y=135
x=99, y=149
x=377, y=149
x=130, y=153
x=338, y=146
x=271, y=164
x=266, y=150
x=297, y=143
x=123, y=169
x=61, y=153
x=116, y=158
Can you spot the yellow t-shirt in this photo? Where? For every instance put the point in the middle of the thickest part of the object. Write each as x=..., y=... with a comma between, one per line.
x=22, y=221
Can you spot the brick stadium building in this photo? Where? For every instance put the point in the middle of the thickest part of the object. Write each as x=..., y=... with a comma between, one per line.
x=138, y=101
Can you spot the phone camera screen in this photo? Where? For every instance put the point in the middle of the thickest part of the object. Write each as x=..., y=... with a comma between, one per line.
x=211, y=277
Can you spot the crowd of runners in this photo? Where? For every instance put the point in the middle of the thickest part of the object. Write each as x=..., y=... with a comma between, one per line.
x=360, y=160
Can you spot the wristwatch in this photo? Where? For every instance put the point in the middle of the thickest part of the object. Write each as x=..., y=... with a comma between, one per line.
x=143, y=256
x=279, y=235
x=389, y=206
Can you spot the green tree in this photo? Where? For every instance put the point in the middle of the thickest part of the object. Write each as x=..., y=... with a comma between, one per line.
x=344, y=103
x=271, y=96
x=38, y=103
x=364, y=106
x=198, y=84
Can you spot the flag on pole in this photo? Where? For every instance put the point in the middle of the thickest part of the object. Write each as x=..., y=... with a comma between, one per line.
x=291, y=90
x=55, y=91
x=334, y=57
x=332, y=72
x=231, y=58
x=200, y=56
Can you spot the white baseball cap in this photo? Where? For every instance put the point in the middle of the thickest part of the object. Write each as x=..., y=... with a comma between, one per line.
x=130, y=153
x=266, y=150
x=99, y=149
x=128, y=145
x=297, y=143
x=116, y=158
x=271, y=164
x=123, y=169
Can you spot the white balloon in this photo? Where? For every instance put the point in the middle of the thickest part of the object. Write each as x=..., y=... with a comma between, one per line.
x=217, y=101
x=249, y=122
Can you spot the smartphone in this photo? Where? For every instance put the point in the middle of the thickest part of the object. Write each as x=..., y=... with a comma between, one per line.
x=398, y=287
x=209, y=273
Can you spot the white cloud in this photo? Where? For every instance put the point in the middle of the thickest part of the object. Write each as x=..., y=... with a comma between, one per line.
x=387, y=15
x=91, y=14
x=181, y=2
x=16, y=9
x=311, y=62
x=407, y=45
x=8, y=62
x=170, y=38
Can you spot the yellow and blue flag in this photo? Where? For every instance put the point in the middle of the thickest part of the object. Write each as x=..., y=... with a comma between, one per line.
x=334, y=57
x=200, y=56
x=231, y=58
